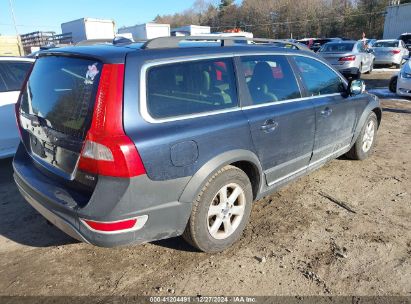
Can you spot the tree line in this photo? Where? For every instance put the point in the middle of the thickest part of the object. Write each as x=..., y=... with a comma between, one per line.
x=287, y=18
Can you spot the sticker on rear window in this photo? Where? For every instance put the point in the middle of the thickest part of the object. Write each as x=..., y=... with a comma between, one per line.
x=91, y=73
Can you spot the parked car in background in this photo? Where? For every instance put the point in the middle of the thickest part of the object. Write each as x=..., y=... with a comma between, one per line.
x=390, y=52
x=290, y=45
x=316, y=43
x=406, y=37
x=368, y=42
x=13, y=71
x=401, y=83
x=348, y=57
x=135, y=143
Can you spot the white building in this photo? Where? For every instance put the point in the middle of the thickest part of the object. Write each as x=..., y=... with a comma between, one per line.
x=146, y=31
x=89, y=28
x=190, y=30
x=397, y=20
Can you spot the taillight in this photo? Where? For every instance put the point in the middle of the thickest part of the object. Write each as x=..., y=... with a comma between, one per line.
x=18, y=103
x=107, y=150
x=394, y=52
x=347, y=58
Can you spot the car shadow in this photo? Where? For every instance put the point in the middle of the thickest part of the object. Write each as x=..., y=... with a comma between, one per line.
x=21, y=223
x=399, y=111
x=176, y=243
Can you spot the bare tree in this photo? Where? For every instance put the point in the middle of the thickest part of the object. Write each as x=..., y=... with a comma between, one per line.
x=285, y=18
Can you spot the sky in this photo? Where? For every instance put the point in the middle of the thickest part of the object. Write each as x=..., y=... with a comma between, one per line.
x=47, y=15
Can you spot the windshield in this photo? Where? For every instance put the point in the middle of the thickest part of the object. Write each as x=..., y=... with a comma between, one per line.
x=337, y=47
x=62, y=90
x=386, y=44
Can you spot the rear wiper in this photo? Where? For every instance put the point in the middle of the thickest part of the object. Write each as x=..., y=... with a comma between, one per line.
x=37, y=121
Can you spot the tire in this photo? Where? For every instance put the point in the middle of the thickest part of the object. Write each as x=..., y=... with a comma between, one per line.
x=203, y=230
x=365, y=142
x=371, y=67
x=358, y=75
x=393, y=84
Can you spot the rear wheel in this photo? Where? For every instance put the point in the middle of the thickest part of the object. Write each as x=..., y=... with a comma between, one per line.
x=364, y=145
x=393, y=84
x=221, y=211
x=371, y=67
x=358, y=75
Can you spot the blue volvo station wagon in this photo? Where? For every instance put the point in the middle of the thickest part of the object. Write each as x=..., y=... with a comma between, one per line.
x=135, y=142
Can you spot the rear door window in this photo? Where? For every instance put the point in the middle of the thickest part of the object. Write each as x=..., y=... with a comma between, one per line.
x=318, y=78
x=12, y=75
x=62, y=90
x=269, y=79
x=193, y=87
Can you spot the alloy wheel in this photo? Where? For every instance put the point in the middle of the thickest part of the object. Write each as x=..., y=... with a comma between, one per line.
x=226, y=211
x=368, y=137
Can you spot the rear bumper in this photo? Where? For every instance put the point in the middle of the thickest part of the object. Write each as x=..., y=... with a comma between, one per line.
x=349, y=71
x=388, y=60
x=112, y=200
x=64, y=224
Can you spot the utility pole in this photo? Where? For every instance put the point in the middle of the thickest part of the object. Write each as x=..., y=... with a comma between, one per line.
x=12, y=16
x=15, y=25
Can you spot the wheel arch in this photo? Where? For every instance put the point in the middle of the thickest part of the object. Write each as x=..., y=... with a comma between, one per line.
x=242, y=159
x=378, y=112
x=372, y=107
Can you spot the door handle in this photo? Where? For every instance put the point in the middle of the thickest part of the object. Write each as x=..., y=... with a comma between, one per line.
x=326, y=112
x=269, y=126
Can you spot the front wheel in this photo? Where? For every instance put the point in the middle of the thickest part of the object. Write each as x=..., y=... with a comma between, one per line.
x=221, y=211
x=365, y=142
x=393, y=84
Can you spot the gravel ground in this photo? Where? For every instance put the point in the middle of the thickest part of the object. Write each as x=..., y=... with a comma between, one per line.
x=299, y=242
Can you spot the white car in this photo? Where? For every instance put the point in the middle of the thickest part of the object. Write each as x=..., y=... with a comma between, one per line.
x=13, y=71
x=390, y=52
x=401, y=83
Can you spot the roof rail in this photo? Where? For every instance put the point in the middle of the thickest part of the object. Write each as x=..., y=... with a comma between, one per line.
x=93, y=42
x=173, y=42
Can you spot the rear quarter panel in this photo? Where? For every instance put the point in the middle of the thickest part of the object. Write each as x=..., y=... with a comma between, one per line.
x=179, y=148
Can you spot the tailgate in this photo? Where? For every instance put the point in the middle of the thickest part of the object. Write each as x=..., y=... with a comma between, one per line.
x=55, y=112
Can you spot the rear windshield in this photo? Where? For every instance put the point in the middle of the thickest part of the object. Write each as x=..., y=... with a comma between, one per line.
x=62, y=91
x=386, y=44
x=12, y=75
x=337, y=47
x=191, y=87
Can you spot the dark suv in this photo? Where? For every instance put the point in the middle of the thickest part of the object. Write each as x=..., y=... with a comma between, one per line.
x=139, y=142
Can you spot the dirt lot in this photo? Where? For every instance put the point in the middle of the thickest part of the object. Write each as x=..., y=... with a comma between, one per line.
x=310, y=245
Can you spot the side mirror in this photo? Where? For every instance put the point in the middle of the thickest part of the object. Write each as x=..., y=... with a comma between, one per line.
x=356, y=87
